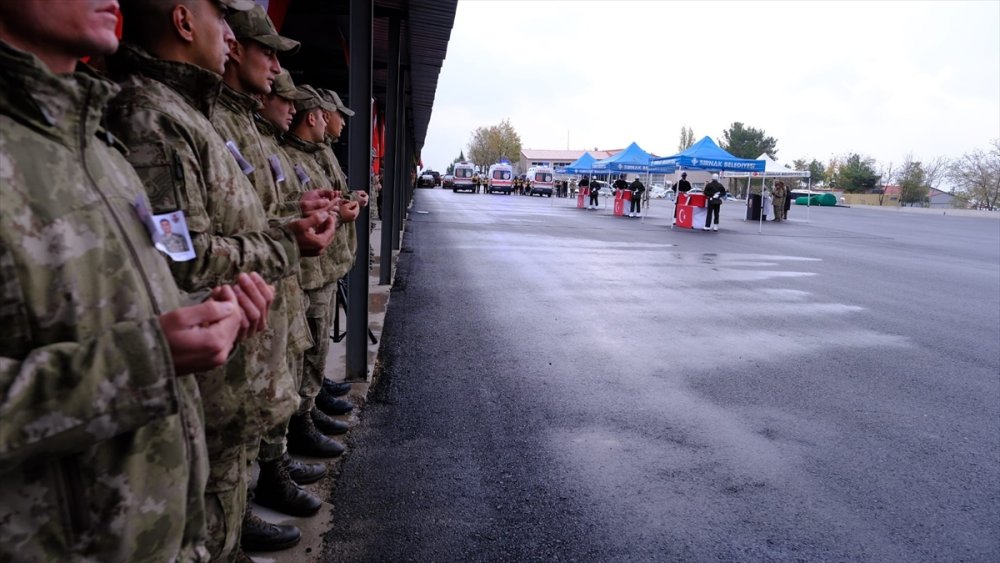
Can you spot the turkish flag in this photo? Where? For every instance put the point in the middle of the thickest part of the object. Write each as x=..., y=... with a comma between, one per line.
x=690, y=217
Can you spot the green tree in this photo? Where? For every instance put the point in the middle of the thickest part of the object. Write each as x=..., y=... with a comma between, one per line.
x=856, y=174
x=976, y=176
x=459, y=158
x=913, y=188
x=491, y=144
x=817, y=172
x=687, y=139
x=747, y=142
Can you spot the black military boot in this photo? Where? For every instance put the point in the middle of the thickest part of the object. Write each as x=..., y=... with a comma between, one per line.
x=276, y=490
x=327, y=424
x=332, y=405
x=336, y=389
x=302, y=472
x=305, y=439
x=259, y=535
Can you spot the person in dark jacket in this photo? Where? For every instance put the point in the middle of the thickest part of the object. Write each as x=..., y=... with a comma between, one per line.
x=681, y=187
x=593, y=195
x=620, y=184
x=637, y=190
x=714, y=194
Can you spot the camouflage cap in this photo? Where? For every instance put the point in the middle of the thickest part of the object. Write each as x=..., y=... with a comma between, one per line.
x=254, y=24
x=313, y=100
x=332, y=97
x=238, y=5
x=284, y=86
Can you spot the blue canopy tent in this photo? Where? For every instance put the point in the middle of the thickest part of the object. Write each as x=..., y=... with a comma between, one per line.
x=582, y=165
x=706, y=155
x=632, y=159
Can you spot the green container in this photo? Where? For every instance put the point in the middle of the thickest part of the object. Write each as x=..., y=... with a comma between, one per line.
x=828, y=200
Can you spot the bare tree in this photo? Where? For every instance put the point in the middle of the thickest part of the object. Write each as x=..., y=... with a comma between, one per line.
x=935, y=171
x=888, y=176
x=976, y=175
x=687, y=139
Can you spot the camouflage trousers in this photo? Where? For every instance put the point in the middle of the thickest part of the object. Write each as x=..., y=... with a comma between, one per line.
x=273, y=443
x=226, y=500
x=319, y=315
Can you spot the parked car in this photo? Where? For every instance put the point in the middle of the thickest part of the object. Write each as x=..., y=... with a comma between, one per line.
x=425, y=181
x=447, y=181
x=657, y=191
x=436, y=175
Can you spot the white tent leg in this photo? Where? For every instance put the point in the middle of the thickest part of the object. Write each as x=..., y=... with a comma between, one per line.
x=808, y=197
x=763, y=185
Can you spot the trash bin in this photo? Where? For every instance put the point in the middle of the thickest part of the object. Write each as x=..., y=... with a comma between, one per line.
x=753, y=208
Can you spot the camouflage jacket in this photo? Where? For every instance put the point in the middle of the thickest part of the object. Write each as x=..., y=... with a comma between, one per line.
x=330, y=163
x=286, y=206
x=162, y=116
x=100, y=455
x=234, y=119
x=308, y=162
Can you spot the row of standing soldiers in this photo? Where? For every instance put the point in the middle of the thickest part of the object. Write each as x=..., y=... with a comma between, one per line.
x=138, y=386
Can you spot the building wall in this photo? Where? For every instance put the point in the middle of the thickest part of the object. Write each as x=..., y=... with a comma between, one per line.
x=939, y=201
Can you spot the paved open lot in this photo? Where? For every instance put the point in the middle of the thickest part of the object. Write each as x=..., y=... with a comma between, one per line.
x=561, y=384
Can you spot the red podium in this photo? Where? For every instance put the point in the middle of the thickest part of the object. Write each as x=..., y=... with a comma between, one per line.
x=620, y=197
x=691, y=210
x=582, y=193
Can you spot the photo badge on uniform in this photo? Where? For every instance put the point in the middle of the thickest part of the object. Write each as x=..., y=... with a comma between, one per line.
x=301, y=173
x=276, y=170
x=172, y=237
x=245, y=166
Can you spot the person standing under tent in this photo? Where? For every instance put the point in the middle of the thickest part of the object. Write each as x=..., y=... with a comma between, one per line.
x=620, y=184
x=637, y=190
x=779, y=194
x=594, y=190
x=714, y=194
x=766, y=202
x=681, y=187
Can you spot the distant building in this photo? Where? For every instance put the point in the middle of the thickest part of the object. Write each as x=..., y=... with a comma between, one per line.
x=556, y=158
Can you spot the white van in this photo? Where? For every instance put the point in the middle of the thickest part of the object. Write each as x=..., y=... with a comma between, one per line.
x=501, y=178
x=541, y=180
x=462, y=175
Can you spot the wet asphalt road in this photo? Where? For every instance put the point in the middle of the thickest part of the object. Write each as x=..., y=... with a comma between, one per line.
x=560, y=384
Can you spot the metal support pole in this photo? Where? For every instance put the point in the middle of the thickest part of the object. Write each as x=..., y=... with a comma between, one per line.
x=402, y=165
x=359, y=179
x=389, y=192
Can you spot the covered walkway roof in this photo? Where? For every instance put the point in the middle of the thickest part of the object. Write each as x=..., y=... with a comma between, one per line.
x=323, y=28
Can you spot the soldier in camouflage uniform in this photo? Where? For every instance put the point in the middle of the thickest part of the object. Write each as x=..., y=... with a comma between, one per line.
x=162, y=115
x=101, y=457
x=304, y=146
x=336, y=119
x=315, y=162
x=252, y=66
x=283, y=494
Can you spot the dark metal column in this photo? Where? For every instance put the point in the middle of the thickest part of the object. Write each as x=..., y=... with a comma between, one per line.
x=389, y=195
x=359, y=179
x=403, y=177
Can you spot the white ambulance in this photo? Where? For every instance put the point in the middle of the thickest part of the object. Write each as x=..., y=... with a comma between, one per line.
x=501, y=178
x=541, y=180
x=462, y=174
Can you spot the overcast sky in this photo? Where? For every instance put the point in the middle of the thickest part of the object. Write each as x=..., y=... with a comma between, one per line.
x=824, y=79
